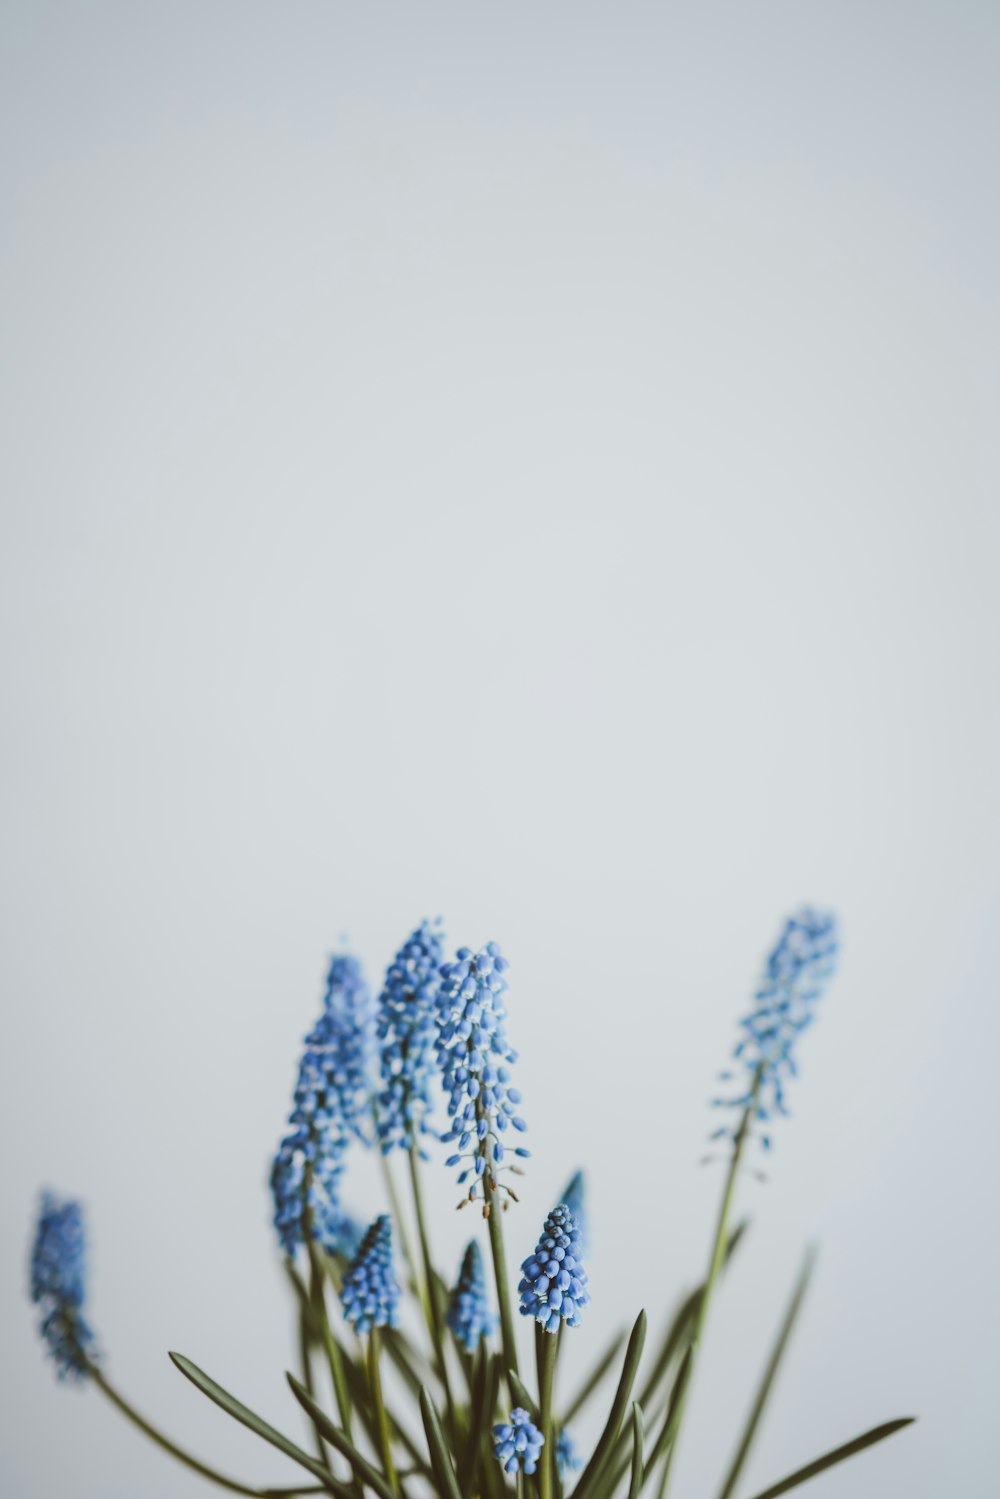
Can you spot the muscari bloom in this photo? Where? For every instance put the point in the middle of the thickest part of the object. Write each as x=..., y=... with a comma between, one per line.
x=517, y=1443
x=553, y=1285
x=575, y=1197
x=794, y=980
x=369, y=1294
x=329, y=1102
x=474, y=1056
x=568, y=1459
x=58, y=1285
x=407, y=1029
x=469, y=1315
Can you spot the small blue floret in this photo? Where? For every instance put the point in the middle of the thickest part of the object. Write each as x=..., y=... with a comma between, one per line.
x=369, y=1294
x=553, y=1286
x=518, y=1443
x=58, y=1285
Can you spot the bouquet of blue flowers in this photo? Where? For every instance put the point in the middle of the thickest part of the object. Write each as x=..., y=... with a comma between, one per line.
x=371, y=1072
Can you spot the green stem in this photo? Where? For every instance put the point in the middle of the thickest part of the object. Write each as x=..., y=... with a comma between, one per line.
x=715, y=1263
x=546, y=1346
x=331, y=1346
x=375, y=1383
x=307, y=1379
x=435, y=1319
x=164, y=1442
x=395, y=1207
x=491, y=1208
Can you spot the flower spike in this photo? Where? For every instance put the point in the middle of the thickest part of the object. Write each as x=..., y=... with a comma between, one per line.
x=369, y=1294
x=58, y=1285
x=795, y=978
x=469, y=1315
x=553, y=1285
x=475, y=1056
x=518, y=1443
x=407, y=1032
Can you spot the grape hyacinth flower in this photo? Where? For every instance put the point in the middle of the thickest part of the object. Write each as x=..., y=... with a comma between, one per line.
x=58, y=1285
x=469, y=1315
x=795, y=978
x=575, y=1197
x=369, y=1294
x=568, y=1459
x=517, y=1443
x=407, y=1031
x=553, y=1284
x=475, y=1056
x=330, y=1095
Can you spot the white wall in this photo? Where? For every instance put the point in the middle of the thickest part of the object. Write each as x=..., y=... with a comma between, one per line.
x=530, y=463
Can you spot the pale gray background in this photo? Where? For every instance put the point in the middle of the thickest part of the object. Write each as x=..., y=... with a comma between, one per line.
x=528, y=462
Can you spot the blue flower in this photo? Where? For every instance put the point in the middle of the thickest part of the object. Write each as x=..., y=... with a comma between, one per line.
x=407, y=1032
x=794, y=980
x=58, y=1285
x=369, y=1294
x=553, y=1284
x=329, y=1102
x=567, y=1458
x=575, y=1197
x=474, y=1056
x=469, y=1315
x=517, y=1443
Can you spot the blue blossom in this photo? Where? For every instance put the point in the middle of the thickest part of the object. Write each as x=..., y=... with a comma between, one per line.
x=518, y=1443
x=795, y=978
x=369, y=1293
x=475, y=1057
x=575, y=1197
x=58, y=1285
x=407, y=1031
x=568, y=1459
x=329, y=1101
x=469, y=1315
x=553, y=1285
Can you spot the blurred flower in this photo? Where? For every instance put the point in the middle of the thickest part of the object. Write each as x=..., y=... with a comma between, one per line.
x=469, y=1315
x=795, y=979
x=517, y=1443
x=58, y=1285
x=329, y=1103
x=553, y=1284
x=407, y=1032
x=473, y=1053
x=575, y=1197
x=369, y=1294
x=567, y=1458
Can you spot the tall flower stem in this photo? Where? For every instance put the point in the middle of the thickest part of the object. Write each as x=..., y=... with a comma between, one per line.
x=435, y=1312
x=148, y=1429
x=546, y=1347
x=492, y=1210
x=317, y=1300
x=395, y=1207
x=381, y=1418
x=715, y=1262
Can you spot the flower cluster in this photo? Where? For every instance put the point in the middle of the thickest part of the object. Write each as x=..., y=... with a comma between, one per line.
x=58, y=1285
x=469, y=1315
x=518, y=1443
x=329, y=1103
x=369, y=1294
x=553, y=1284
x=473, y=1054
x=795, y=978
x=568, y=1459
x=407, y=1030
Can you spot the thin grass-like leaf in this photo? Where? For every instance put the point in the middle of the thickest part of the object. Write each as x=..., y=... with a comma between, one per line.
x=829, y=1459
x=485, y=1387
x=249, y=1418
x=441, y=1462
x=521, y=1395
x=364, y=1471
x=638, y=1447
x=767, y=1379
x=609, y=1436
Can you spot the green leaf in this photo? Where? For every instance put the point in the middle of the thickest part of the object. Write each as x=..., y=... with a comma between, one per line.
x=609, y=1436
x=594, y=1378
x=638, y=1444
x=247, y=1417
x=829, y=1459
x=521, y=1395
x=363, y=1469
x=441, y=1462
x=486, y=1385
x=767, y=1379
x=669, y=1428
